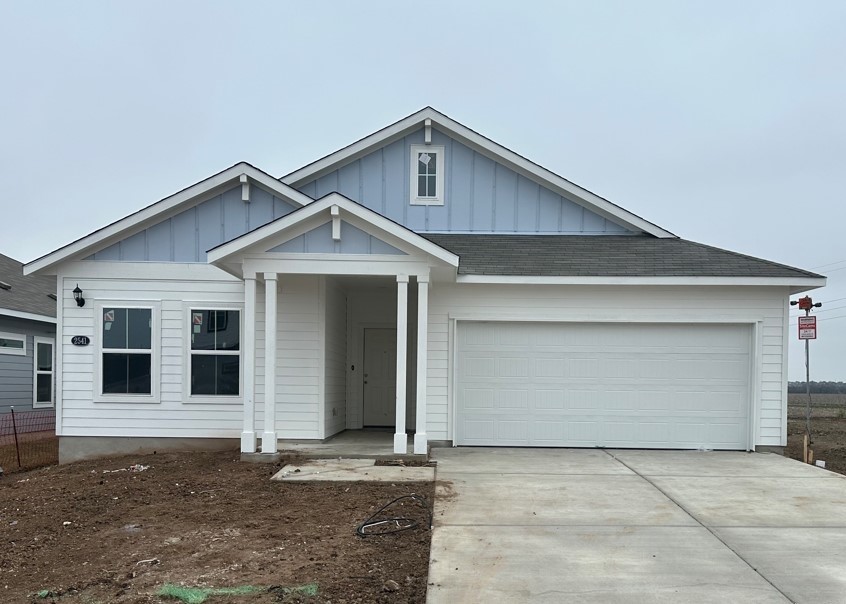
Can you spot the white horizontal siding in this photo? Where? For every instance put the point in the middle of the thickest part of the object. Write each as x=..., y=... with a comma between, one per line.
x=764, y=305
x=170, y=415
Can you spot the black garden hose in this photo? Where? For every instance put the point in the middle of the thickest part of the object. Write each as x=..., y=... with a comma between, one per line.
x=399, y=523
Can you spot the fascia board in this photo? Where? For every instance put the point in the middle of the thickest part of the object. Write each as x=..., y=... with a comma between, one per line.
x=17, y=314
x=162, y=209
x=366, y=216
x=361, y=147
x=803, y=284
x=486, y=147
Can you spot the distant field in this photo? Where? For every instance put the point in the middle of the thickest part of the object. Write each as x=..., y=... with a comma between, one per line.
x=822, y=405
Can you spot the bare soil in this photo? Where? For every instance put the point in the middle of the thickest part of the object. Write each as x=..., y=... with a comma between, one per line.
x=828, y=428
x=97, y=532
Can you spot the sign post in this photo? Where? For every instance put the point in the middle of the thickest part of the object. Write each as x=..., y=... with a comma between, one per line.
x=807, y=332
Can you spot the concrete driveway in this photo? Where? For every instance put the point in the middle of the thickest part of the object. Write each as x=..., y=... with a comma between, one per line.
x=587, y=525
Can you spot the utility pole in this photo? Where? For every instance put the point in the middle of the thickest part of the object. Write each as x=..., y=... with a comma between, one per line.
x=807, y=332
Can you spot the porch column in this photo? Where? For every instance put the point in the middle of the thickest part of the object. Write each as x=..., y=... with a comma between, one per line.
x=248, y=345
x=268, y=438
x=400, y=438
x=420, y=438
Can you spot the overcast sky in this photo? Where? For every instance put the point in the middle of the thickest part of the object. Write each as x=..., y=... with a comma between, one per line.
x=723, y=122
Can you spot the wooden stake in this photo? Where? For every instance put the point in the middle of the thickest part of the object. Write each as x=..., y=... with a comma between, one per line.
x=805, y=440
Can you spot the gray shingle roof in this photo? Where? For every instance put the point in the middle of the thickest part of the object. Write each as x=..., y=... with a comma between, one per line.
x=602, y=256
x=28, y=294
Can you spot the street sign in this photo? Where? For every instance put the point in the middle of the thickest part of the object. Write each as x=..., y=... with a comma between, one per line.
x=807, y=328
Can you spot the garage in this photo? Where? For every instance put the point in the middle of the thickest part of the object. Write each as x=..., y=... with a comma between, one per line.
x=628, y=385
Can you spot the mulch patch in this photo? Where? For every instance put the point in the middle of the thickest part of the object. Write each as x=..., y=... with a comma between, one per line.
x=100, y=532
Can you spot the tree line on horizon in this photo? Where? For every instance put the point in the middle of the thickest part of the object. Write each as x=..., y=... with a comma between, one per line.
x=817, y=387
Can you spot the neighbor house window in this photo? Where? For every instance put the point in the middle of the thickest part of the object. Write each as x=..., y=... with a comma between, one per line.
x=427, y=175
x=12, y=343
x=43, y=372
x=215, y=352
x=127, y=349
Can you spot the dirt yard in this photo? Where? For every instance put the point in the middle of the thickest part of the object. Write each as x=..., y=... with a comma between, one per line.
x=828, y=428
x=96, y=532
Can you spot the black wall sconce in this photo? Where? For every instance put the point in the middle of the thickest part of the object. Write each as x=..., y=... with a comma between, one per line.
x=77, y=295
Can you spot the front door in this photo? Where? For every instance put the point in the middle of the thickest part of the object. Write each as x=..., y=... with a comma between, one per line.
x=380, y=377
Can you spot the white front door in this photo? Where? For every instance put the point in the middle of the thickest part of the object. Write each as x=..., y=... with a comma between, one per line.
x=380, y=371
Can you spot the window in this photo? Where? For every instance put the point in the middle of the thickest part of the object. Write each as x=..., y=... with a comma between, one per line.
x=43, y=372
x=127, y=349
x=427, y=175
x=12, y=343
x=215, y=352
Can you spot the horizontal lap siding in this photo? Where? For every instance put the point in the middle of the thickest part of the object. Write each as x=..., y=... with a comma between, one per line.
x=16, y=371
x=335, y=393
x=588, y=304
x=298, y=357
x=172, y=416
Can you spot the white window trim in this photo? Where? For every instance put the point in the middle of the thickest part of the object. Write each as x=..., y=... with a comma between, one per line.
x=438, y=200
x=211, y=398
x=155, y=360
x=14, y=351
x=36, y=372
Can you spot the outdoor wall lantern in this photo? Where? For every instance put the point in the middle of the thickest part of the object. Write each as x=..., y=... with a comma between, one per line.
x=77, y=295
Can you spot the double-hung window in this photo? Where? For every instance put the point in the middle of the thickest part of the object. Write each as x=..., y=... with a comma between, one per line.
x=43, y=358
x=427, y=175
x=215, y=352
x=127, y=351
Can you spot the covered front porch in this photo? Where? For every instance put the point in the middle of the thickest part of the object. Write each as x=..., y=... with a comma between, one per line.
x=335, y=327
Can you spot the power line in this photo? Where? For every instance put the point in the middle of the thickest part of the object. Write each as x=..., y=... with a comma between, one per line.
x=824, y=309
x=829, y=264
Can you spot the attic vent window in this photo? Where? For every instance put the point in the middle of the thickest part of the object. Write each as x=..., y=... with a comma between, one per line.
x=4, y=285
x=427, y=175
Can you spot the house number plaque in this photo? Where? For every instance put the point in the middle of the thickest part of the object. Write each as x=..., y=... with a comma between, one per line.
x=80, y=340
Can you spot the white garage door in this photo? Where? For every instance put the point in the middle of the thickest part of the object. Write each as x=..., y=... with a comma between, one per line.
x=676, y=386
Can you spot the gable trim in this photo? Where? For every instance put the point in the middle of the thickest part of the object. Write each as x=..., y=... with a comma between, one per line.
x=146, y=217
x=365, y=215
x=486, y=147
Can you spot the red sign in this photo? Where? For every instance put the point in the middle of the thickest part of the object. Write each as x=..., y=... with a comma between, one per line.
x=805, y=303
x=807, y=328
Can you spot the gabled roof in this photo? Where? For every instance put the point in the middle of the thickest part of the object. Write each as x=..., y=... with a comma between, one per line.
x=607, y=256
x=27, y=297
x=378, y=223
x=482, y=145
x=164, y=208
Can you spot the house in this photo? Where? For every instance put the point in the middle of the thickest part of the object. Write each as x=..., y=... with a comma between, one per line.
x=426, y=280
x=27, y=338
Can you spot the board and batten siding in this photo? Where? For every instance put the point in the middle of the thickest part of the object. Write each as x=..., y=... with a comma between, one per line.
x=187, y=236
x=481, y=195
x=17, y=371
x=765, y=307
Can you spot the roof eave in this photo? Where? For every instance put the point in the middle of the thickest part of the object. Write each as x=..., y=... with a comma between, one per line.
x=795, y=284
x=147, y=216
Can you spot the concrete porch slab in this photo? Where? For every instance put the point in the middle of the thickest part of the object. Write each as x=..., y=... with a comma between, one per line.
x=351, y=470
x=353, y=444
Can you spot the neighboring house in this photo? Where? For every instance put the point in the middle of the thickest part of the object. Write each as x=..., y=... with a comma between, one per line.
x=27, y=338
x=423, y=279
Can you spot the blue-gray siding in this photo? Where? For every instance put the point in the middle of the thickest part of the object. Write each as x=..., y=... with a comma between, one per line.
x=480, y=194
x=16, y=371
x=187, y=236
x=353, y=241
